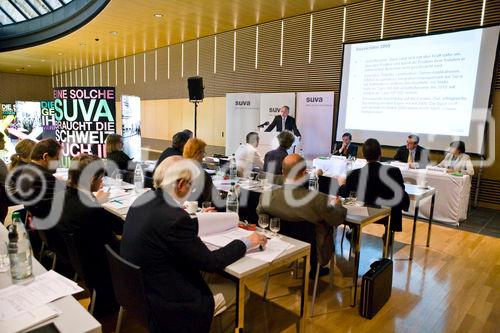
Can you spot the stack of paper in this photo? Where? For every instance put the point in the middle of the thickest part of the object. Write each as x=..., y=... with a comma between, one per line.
x=27, y=303
x=215, y=223
x=275, y=246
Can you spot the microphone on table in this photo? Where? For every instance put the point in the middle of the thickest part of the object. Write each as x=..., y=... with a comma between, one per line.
x=264, y=124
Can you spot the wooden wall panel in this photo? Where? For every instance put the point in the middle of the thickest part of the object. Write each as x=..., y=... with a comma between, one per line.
x=326, y=55
x=245, y=60
x=20, y=87
x=363, y=21
x=404, y=18
x=294, y=75
x=492, y=12
x=268, y=78
x=224, y=75
x=446, y=15
x=207, y=64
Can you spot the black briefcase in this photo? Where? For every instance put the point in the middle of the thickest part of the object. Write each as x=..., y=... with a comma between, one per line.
x=376, y=288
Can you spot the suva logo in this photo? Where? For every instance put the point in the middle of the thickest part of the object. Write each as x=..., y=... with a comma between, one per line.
x=242, y=103
x=314, y=99
x=274, y=110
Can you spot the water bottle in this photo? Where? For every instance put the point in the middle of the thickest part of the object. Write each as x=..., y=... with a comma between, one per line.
x=232, y=203
x=138, y=179
x=19, y=248
x=233, y=169
x=313, y=180
x=301, y=152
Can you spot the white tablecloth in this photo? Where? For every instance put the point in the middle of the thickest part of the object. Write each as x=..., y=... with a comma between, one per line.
x=452, y=195
x=452, y=192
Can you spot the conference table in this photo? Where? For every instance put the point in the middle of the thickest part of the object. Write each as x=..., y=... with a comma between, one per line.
x=241, y=271
x=74, y=318
x=452, y=191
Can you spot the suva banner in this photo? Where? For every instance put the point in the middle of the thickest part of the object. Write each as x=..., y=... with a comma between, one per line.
x=85, y=116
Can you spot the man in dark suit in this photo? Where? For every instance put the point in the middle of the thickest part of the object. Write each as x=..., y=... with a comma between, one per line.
x=416, y=156
x=85, y=224
x=377, y=184
x=284, y=122
x=162, y=239
x=346, y=148
x=178, y=141
x=274, y=158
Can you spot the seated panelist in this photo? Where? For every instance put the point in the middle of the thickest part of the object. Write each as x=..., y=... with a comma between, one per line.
x=456, y=160
x=346, y=148
x=412, y=153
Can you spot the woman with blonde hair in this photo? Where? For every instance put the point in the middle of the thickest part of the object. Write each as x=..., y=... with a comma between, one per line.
x=195, y=149
x=23, y=153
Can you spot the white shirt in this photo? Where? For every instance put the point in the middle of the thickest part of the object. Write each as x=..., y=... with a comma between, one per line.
x=247, y=158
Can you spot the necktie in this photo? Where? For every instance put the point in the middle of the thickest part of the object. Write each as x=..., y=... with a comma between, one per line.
x=283, y=120
x=410, y=159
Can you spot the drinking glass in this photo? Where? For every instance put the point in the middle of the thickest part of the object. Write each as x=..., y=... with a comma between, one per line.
x=206, y=204
x=263, y=221
x=4, y=255
x=353, y=198
x=118, y=178
x=274, y=226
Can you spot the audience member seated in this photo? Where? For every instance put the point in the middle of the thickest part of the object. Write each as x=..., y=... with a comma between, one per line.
x=294, y=203
x=162, y=239
x=90, y=226
x=115, y=153
x=273, y=159
x=4, y=152
x=178, y=141
x=377, y=185
x=247, y=156
x=23, y=153
x=457, y=160
x=345, y=148
x=203, y=187
x=412, y=153
x=36, y=188
x=4, y=202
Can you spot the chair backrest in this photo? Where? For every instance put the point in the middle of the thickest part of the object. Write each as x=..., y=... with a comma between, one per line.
x=128, y=285
x=74, y=258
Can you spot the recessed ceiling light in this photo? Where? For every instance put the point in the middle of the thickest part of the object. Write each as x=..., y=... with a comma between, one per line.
x=59, y=54
x=18, y=70
x=158, y=15
x=113, y=33
x=29, y=65
x=42, y=60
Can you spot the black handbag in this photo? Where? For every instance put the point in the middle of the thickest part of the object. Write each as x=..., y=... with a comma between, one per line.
x=376, y=288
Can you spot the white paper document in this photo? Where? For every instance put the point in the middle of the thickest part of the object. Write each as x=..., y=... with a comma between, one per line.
x=29, y=319
x=45, y=288
x=275, y=246
x=215, y=223
x=357, y=210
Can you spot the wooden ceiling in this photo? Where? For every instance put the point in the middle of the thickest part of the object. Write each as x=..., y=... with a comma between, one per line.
x=127, y=27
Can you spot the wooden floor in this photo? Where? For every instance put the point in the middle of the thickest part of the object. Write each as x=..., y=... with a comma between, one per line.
x=453, y=286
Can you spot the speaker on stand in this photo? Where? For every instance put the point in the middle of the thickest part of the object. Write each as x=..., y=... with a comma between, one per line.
x=195, y=87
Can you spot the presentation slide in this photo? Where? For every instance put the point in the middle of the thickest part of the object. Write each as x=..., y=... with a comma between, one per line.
x=437, y=86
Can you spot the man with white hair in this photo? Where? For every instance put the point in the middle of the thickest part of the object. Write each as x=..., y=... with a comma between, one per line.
x=161, y=238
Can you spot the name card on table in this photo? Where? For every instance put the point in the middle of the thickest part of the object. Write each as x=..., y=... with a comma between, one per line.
x=435, y=169
x=400, y=165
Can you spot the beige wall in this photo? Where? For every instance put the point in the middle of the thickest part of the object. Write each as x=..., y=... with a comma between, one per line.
x=21, y=87
x=162, y=118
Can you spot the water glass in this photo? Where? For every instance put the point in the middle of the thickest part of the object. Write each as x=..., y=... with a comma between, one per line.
x=206, y=204
x=263, y=221
x=274, y=226
x=4, y=255
x=353, y=198
x=118, y=178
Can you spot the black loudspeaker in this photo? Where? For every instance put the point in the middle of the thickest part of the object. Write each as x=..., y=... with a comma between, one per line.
x=195, y=87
